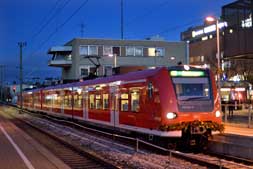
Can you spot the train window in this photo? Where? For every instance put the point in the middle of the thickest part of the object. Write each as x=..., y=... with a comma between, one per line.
x=48, y=100
x=66, y=101
x=92, y=105
x=105, y=101
x=98, y=102
x=135, y=100
x=78, y=101
x=124, y=102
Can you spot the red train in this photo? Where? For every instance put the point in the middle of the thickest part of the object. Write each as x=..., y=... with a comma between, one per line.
x=163, y=103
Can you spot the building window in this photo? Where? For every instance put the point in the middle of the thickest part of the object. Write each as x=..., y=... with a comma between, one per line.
x=84, y=72
x=124, y=102
x=159, y=52
x=107, y=50
x=130, y=51
x=156, y=51
x=151, y=52
x=202, y=58
x=116, y=50
x=88, y=50
x=138, y=51
x=134, y=51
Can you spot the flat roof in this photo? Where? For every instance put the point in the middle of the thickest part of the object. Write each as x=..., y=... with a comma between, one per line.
x=60, y=49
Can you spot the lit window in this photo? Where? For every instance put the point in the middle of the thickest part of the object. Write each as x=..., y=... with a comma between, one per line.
x=151, y=51
x=105, y=101
x=202, y=58
x=124, y=102
x=156, y=52
x=98, y=102
x=92, y=105
x=135, y=99
x=77, y=101
x=204, y=38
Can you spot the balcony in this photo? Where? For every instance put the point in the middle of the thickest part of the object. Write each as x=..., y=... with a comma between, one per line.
x=60, y=49
x=61, y=56
x=60, y=63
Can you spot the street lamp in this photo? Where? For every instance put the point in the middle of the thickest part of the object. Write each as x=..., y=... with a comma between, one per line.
x=212, y=19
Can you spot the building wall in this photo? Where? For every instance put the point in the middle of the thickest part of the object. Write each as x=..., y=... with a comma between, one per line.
x=172, y=49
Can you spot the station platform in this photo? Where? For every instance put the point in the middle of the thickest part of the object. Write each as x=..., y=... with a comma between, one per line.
x=237, y=140
x=238, y=130
x=19, y=151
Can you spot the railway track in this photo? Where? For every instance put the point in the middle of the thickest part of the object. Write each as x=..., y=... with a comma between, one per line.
x=206, y=160
x=69, y=154
x=215, y=161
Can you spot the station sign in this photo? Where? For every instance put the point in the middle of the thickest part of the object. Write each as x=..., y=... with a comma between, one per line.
x=208, y=29
x=247, y=23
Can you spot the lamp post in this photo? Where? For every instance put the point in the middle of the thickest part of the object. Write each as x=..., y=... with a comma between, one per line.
x=212, y=19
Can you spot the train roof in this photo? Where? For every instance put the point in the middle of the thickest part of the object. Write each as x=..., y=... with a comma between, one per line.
x=124, y=77
x=131, y=76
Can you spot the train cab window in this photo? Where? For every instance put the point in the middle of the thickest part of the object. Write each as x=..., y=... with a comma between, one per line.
x=98, y=102
x=135, y=100
x=92, y=104
x=105, y=101
x=124, y=102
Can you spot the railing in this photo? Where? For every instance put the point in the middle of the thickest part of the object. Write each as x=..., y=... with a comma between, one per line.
x=239, y=114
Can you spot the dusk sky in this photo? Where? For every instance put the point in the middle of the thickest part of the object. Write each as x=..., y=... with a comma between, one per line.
x=46, y=23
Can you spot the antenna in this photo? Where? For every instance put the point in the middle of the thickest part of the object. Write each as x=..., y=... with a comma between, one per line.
x=82, y=26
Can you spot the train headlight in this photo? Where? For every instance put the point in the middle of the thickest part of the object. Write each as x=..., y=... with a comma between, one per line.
x=171, y=115
x=218, y=113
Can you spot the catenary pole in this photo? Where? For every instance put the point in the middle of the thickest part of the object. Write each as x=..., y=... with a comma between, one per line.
x=21, y=45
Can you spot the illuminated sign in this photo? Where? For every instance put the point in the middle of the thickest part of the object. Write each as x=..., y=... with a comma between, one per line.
x=208, y=29
x=187, y=73
x=247, y=23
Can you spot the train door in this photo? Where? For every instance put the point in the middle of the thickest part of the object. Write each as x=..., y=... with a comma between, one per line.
x=85, y=104
x=114, y=108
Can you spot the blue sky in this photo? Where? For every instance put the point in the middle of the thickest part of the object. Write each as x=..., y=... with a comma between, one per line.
x=45, y=23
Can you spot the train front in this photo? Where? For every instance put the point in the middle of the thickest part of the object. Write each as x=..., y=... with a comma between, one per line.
x=194, y=107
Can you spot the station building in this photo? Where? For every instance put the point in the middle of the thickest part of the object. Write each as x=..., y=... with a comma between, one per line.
x=236, y=39
x=80, y=58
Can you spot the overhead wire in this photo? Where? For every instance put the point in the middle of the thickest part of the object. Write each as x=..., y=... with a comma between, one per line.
x=46, y=20
x=56, y=30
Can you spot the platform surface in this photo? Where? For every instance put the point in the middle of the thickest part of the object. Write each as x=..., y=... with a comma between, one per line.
x=19, y=151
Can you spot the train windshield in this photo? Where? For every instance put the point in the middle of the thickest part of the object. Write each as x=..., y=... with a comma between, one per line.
x=196, y=88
